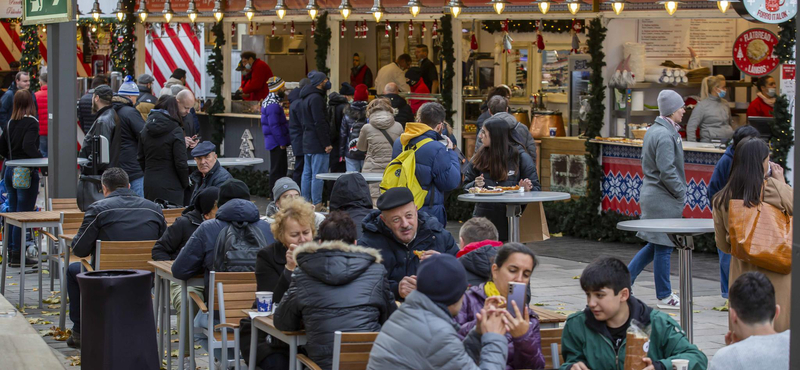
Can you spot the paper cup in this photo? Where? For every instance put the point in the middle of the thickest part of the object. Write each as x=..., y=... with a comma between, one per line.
x=680, y=364
x=264, y=300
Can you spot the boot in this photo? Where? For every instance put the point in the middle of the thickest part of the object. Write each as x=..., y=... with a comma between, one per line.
x=74, y=340
x=320, y=208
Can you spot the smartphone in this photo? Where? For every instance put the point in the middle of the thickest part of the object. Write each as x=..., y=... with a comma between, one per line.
x=516, y=293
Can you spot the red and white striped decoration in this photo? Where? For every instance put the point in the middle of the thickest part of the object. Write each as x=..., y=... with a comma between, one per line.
x=11, y=49
x=164, y=54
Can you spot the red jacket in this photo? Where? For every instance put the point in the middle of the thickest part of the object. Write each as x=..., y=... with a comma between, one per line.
x=41, y=102
x=419, y=88
x=757, y=108
x=257, y=85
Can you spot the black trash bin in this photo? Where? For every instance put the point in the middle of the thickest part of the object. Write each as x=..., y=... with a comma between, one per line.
x=117, y=324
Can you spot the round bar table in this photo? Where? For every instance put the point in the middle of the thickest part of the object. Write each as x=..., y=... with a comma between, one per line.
x=40, y=163
x=232, y=162
x=333, y=176
x=680, y=231
x=514, y=202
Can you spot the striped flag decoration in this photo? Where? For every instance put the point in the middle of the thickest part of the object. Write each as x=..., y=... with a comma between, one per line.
x=11, y=49
x=175, y=49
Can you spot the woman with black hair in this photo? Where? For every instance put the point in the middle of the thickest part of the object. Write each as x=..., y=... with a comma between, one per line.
x=754, y=179
x=763, y=104
x=162, y=153
x=501, y=161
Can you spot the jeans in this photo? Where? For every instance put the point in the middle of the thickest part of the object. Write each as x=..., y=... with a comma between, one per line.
x=659, y=255
x=724, y=272
x=297, y=173
x=354, y=165
x=278, y=165
x=20, y=200
x=312, y=186
x=43, y=145
x=74, y=292
x=138, y=186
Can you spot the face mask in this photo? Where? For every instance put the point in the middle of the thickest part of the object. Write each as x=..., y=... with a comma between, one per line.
x=247, y=66
x=771, y=92
x=328, y=85
x=722, y=94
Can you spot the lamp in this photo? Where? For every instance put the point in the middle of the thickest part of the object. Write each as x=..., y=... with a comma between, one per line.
x=498, y=5
x=120, y=11
x=96, y=10
x=345, y=9
x=191, y=11
x=280, y=9
x=544, y=6
x=414, y=6
x=670, y=6
x=377, y=10
x=249, y=10
x=312, y=8
x=142, y=12
x=456, y=6
x=574, y=6
x=218, y=10
x=167, y=12
x=723, y=5
x=617, y=6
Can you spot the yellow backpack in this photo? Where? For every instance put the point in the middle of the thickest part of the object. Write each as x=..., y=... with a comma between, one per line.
x=401, y=173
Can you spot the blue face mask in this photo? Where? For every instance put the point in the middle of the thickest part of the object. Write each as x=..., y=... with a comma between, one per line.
x=722, y=94
x=328, y=85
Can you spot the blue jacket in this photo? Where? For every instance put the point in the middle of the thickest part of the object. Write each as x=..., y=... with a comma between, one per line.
x=316, y=130
x=399, y=259
x=722, y=171
x=274, y=126
x=438, y=169
x=7, y=105
x=197, y=256
x=295, y=124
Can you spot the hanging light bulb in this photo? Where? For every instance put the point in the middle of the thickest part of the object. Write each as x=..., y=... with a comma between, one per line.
x=249, y=10
x=377, y=11
x=617, y=7
x=280, y=9
x=191, y=11
x=723, y=6
x=218, y=10
x=96, y=10
x=142, y=12
x=544, y=6
x=499, y=5
x=574, y=6
x=120, y=11
x=670, y=6
x=345, y=9
x=167, y=12
x=414, y=6
x=456, y=6
x=312, y=8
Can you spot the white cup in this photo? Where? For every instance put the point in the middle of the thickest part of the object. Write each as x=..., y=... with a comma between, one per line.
x=680, y=364
x=264, y=300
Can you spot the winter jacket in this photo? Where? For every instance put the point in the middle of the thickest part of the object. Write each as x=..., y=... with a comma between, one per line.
x=485, y=114
x=167, y=89
x=398, y=258
x=519, y=132
x=197, y=256
x=402, y=111
x=438, y=169
x=132, y=125
x=355, y=117
x=296, y=123
x=274, y=126
x=7, y=105
x=477, y=259
x=377, y=147
x=335, y=115
x=104, y=125
x=215, y=177
x=86, y=116
x=351, y=195
x=335, y=287
x=422, y=335
x=257, y=85
x=162, y=156
x=664, y=186
x=361, y=75
x=524, y=352
x=316, y=130
x=587, y=340
x=145, y=102
x=713, y=116
x=391, y=73
x=722, y=171
x=121, y=216
x=172, y=241
x=419, y=88
x=781, y=196
x=24, y=139
x=759, y=108
x=41, y=101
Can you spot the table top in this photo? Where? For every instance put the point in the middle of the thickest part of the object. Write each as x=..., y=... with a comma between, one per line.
x=268, y=321
x=22, y=347
x=41, y=216
x=232, y=162
x=547, y=316
x=369, y=176
x=38, y=162
x=162, y=265
x=516, y=198
x=670, y=225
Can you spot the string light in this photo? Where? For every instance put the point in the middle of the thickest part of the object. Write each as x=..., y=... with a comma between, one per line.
x=218, y=14
x=142, y=12
x=167, y=12
x=414, y=6
x=670, y=6
x=120, y=11
x=313, y=9
x=617, y=7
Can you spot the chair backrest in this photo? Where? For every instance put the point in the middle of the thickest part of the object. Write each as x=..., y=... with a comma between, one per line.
x=71, y=222
x=238, y=292
x=63, y=204
x=549, y=337
x=170, y=214
x=351, y=350
x=124, y=255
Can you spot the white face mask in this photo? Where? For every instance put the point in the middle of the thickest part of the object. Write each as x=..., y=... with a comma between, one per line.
x=771, y=92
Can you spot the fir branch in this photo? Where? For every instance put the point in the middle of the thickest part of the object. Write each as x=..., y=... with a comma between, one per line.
x=448, y=51
x=322, y=38
x=784, y=48
x=214, y=67
x=31, y=58
x=782, y=132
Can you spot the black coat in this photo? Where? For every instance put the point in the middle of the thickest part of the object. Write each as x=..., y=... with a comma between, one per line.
x=399, y=259
x=478, y=264
x=402, y=111
x=132, y=125
x=85, y=115
x=169, y=245
x=24, y=140
x=7, y=104
x=316, y=130
x=351, y=195
x=104, y=124
x=162, y=156
x=335, y=287
x=215, y=177
x=295, y=122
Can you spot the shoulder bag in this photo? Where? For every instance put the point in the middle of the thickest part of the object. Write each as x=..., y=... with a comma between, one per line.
x=22, y=175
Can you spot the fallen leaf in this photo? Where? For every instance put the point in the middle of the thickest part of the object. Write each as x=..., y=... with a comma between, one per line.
x=12, y=284
x=38, y=321
x=54, y=306
x=672, y=314
x=174, y=353
x=74, y=360
x=45, y=332
x=173, y=332
x=721, y=309
x=197, y=346
x=576, y=277
x=54, y=313
x=31, y=306
x=46, y=272
x=696, y=311
x=539, y=304
x=58, y=334
x=54, y=299
x=9, y=277
x=35, y=289
x=561, y=308
x=557, y=235
x=175, y=340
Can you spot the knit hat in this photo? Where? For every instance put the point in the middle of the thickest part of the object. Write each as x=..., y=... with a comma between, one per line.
x=128, y=88
x=104, y=92
x=347, y=89
x=283, y=185
x=413, y=75
x=316, y=77
x=362, y=93
x=275, y=83
x=145, y=79
x=669, y=102
x=204, y=201
x=303, y=83
x=232, y=189
x=394, y=197
x=442, y=278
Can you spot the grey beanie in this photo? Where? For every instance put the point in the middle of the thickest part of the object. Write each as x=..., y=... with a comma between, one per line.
x=283, y=185
x=669, y=102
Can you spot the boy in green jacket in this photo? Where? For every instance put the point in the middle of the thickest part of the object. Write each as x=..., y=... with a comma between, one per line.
x=595, y=338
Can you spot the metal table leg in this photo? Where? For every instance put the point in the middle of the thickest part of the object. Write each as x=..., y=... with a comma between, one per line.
x=512, y=212
x=62, y=320
x=6, y=256
x=167, y=322
x=253, y=339
x=157, y=311
x=39, y=265
x=182, y=324
x=292, y=353
x=685, y=245
x=22, y=252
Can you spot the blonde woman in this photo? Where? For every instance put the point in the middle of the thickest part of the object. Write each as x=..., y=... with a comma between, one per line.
x=376, y=139
x=711, y=115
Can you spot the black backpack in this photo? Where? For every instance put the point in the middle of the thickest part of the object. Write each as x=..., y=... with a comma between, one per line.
x=237, y=246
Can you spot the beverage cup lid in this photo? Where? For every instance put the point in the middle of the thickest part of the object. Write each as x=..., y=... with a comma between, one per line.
x=263, y=293
x=680, y=362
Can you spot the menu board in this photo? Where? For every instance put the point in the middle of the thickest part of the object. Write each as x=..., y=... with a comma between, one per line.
x=670, y=38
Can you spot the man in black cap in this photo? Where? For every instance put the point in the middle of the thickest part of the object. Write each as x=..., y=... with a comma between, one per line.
x=404, y=237
x=104, y=125
x=146, y=100
x=209, y=172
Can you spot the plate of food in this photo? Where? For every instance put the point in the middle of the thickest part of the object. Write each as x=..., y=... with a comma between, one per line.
x=510, y=189
x=486, y=191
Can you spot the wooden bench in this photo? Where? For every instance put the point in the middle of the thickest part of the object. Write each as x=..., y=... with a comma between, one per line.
x=550, y=337
x=350, y=351
x=170, y=214
x=548, y=319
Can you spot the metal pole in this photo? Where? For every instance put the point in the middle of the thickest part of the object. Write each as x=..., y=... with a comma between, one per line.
x=794, y=350
x=61, y=105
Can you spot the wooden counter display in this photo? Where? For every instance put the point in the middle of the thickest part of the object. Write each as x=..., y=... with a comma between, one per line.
x=564, y=158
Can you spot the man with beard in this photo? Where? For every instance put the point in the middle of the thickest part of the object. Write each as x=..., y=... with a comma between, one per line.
x=22, y=81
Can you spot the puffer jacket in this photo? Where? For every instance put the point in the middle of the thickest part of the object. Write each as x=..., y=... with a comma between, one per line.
x=423, y=335
x=274, y=126
x=335, y=115
x=477, y=259
x=167, y=89
x=162, y=156
x=41, y=101
x=296, y=123
x=524, y=352
x=172, y=241
x=215, y=177
x=351, y=195
x=398, y=258
x=325, y=274
x=438, y=169
x=355, y=117
x=316, y=130
x=103, y=125
x=145, y=102
x=86, y=116
x=402, y=111
x=722, y=171
x=520, y=132
x=121, y=216
x=7, y=105
x=131, y=129
x=378, y=148
x=712, y=116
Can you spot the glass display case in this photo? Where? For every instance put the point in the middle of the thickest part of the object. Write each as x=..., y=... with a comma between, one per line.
x=555, y=71
x=516, y=66
x=579, y=85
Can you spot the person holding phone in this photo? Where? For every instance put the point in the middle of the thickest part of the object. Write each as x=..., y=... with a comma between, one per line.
x=514, y=264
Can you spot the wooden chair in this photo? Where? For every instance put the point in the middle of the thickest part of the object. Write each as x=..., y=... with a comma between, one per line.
x=71, y=221
x=551, y=347
x=350, y=351
x=170, y=214
x=130, y=255
x=234, y=291
x=63, y=204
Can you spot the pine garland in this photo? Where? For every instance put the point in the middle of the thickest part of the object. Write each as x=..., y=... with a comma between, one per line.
x=782, y=132
x=124, y=57
x=214, y=67
x=322, y=38
x=597, y=34
x=552, y=26
x=786, y=41
x=31, y=58
x=448, y=51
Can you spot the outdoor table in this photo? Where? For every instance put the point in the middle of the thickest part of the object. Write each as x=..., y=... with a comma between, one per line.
x=293, y=338
x=232, y=162
x=680, y=231
x=369, y=176
x=548, y=319
x=163, y=276
x=40, y=163
x=514, y=202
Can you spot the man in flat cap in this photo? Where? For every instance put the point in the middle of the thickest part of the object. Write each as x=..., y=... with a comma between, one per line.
x=404, y=236
x=209, y=172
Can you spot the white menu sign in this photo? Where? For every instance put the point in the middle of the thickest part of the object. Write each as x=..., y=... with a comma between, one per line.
x=670, y=38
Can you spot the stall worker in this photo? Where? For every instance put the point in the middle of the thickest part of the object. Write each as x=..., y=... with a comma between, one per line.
x=712, y=115
x=763, y=104
x=360, y=73
x=255, y=88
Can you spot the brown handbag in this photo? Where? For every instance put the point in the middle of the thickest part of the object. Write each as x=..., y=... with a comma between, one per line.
x=761, y=235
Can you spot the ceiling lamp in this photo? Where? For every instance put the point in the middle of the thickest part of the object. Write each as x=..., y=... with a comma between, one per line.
x=345, y=9
x=617, y=6
x=723, y=6
x=167, y=12
x=414, y=6
x=142, y=12
x=217, y=10
x=670, y=6
x=456, y=6
x=544, y=6
x=574, y=6
x=96, y=10
x=280, y=9
x=377, y=10
x=191, y=11
x=249, y=10
x=120, y=11
x=498, y=5
x=312, y=8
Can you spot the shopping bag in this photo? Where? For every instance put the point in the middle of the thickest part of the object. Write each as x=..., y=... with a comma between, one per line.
x=533, y=224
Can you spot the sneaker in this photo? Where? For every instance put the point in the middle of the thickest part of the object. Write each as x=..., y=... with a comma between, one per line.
x=670, y=303
x=74, y=340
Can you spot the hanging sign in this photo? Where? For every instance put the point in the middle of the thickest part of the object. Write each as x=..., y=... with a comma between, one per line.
x=766, y=11
x=753, y=52
x=46, y=11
